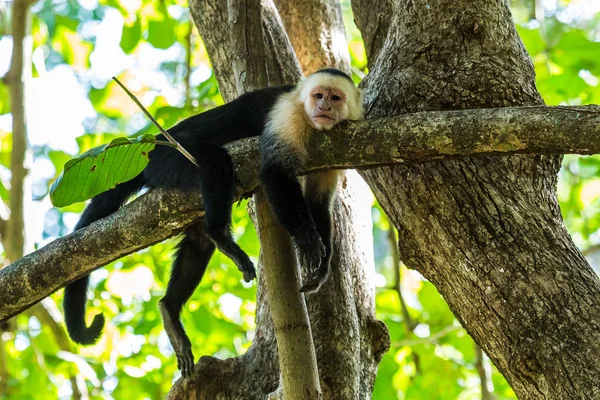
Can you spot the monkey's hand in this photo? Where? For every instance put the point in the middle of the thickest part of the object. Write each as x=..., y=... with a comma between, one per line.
x=310, y=250
x=247, y=268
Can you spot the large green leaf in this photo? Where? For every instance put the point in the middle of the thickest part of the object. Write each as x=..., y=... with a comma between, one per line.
x=100, y=169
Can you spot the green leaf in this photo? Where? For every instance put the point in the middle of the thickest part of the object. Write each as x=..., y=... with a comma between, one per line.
x=131, y=35
x=101, y=169
x=5, y=148
x=161, y=33
x=3, y=193
x=4, y=99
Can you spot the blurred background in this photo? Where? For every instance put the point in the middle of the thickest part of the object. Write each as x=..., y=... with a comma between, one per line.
x=73, y=48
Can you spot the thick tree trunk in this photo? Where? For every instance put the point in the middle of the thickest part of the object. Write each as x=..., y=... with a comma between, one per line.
x=349, y=340
x=487, y=231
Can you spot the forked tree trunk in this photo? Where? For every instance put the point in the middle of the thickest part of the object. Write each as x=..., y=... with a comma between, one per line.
x=486, y=231
x=349, y=341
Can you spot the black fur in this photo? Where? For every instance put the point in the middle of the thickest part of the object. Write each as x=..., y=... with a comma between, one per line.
x=319, y=204
x=335, y=72
x=202, y=135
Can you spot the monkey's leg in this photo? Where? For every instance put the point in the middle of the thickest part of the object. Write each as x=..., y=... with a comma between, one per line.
x=192, y=257
x=319, y=192
x=216, y=180
x=287, y=201
x=218, y=191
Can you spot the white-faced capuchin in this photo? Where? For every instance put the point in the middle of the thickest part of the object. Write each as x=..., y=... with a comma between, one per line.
x=320, y=102
x=285, y=116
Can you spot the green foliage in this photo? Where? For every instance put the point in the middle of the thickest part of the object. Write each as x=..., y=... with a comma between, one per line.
x=161, y=32
x=100, y=169
x=132, y=33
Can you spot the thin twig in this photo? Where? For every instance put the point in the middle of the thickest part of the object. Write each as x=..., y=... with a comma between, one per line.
x=160, y=128
x=429, y=339
x=409, y=323
x=188, y=65
x=483, y=377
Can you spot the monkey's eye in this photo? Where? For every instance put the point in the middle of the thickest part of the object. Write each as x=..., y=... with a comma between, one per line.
x=319, y=95
x=335, y=97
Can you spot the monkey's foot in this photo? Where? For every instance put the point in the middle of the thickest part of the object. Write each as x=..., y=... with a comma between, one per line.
x=185, y=359
x=314, y=281
x=310, y=251
x=179, y=340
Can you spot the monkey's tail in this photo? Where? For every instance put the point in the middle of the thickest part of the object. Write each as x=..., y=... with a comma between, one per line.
x=75, y=295
x=74, y=307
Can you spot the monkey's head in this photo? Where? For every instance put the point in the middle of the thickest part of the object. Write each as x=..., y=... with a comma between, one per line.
x=330, y=97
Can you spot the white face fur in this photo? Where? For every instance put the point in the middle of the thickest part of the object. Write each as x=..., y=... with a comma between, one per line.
x=330, y=99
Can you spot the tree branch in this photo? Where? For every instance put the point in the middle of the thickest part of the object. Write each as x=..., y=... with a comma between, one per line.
x=411, y=138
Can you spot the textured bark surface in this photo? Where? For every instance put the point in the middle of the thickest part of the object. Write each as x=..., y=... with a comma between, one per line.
x=212, y=19
x=317, y=33
x=487, y=231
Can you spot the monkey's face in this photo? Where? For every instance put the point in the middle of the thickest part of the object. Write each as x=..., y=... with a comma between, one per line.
x=326, y=106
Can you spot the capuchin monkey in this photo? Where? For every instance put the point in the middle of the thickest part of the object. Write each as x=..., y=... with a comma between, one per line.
x=320, y=102
x=286, y=117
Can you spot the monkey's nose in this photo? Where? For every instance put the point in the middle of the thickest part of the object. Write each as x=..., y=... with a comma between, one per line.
x=324, y=108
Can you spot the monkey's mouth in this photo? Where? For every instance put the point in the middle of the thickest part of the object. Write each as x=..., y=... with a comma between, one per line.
x=324, y=119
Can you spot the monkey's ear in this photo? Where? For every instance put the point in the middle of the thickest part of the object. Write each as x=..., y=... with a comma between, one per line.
x=361, y=96
x=356, y=110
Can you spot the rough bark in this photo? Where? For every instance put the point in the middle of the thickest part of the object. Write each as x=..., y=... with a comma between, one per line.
x=487, y=231
x=317, y=33
x=211, y=18
x=411, y=139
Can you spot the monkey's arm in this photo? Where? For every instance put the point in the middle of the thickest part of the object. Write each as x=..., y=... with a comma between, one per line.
x=287, y=201
x=319, y=192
